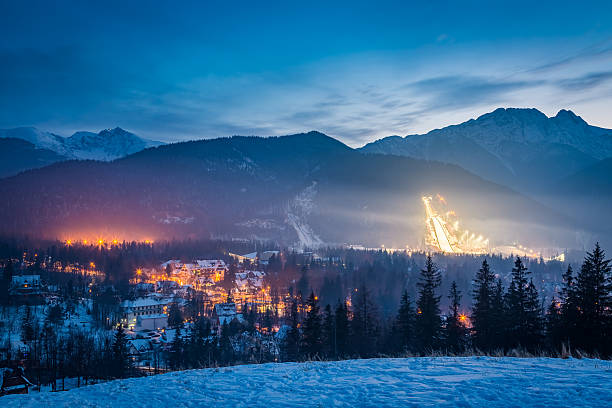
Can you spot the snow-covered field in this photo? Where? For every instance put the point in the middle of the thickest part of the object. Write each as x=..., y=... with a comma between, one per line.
x=443, y=381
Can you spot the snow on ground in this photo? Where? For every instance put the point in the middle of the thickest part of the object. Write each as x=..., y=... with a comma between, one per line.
x=434, y=382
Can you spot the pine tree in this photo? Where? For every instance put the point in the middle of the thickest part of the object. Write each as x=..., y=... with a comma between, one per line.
x=498, y=322
x=562, y=328
x=175, y=316
x=524, y=311
x=312, y=331
x=455, y=330
x=292, y=340
x=428, y=322
x=341, y=330
x=225, y=349
x=176, y=350
x=594, y=302
x=303, y=284
x=404, y=324
x=121, y=360
x=328, y=332
x=27, y=326
x=268, y=321
x=482, y=315
x=554, y=324
x=364, y=328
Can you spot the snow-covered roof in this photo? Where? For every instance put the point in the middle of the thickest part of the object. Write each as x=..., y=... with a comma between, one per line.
x=172, y=262
x=225, y=309
x=25, y=279
x=211, y=263
x=250, y=255
x=144, y=302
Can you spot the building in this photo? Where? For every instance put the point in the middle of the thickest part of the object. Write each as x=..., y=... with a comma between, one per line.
x=12, y=381
x=225, y=313
x=25, y=285
x=212, y=269
x=151, y=322
x=142, y=307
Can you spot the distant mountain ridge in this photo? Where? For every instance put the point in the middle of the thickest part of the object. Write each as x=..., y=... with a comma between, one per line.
x=520, y=148
x=108, y=144
x=306, y=190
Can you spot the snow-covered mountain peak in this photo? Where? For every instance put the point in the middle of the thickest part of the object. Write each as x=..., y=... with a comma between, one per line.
x=109, y=144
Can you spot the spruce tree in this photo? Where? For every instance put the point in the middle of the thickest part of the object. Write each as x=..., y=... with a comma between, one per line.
x=175, y=316
x=404, y=324
x=482, y=315
x=341, y=330
x=364, y=328
x=455, y=330
x=292, y=340
x=27, y=326
x=569, y=307
x=121, y=360
x=524, y=311
x=312, y=329
x=328, y=332
x=225, y=350
x=498, y=321
x=594, y=302
x=428, y=322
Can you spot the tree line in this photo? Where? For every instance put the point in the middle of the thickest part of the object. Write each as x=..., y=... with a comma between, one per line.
x=501, y=320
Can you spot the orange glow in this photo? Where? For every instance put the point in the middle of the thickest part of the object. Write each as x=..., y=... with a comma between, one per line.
x=462, y=318
x=138, y=271
x=68, y=242
x=84, y=242
x=115, y=242
x=93, y=265
x=100, y=241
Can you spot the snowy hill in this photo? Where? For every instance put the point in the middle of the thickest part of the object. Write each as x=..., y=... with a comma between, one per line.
x=434, y=382
x=109, y=144
x=521, y=148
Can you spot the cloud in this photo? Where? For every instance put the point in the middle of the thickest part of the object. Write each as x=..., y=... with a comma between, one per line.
x=449, y=92
x=600, y=50
x=586, y=81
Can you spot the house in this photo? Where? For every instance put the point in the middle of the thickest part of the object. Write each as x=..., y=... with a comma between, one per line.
x=25, y=285
x=264, y=257
x=140, y=349
x=13, y=381
x=212, y=269
x=146, y=306
x=152, y=322
x=225, y=313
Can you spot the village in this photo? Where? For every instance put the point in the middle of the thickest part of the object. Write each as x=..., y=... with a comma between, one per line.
x=160, y=301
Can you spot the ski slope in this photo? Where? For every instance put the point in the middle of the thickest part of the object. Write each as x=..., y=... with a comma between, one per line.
x=422, y=382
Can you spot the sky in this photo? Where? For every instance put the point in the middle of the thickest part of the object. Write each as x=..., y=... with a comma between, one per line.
x=357, y=71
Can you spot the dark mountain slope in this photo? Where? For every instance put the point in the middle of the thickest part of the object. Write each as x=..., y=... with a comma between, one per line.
x=306, y=188
x=17, y=155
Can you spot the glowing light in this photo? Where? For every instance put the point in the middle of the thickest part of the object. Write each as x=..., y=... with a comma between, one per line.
x=443, y=231
x=462, y=318
x=93, y=265
x=68, y=242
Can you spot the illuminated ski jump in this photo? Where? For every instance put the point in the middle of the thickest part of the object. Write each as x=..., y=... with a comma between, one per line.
x=444, y=235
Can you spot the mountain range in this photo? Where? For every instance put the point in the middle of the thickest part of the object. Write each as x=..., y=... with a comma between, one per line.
x=306, y=189
x=513, y=175
x=521, y=148
x=44, y=148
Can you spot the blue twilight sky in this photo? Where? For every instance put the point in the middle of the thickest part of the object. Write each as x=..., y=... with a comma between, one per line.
x=355, y=70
